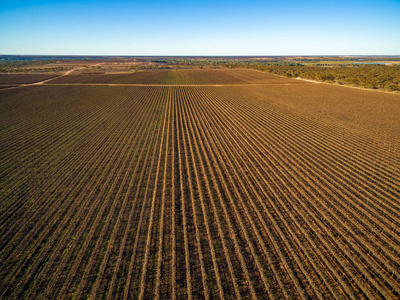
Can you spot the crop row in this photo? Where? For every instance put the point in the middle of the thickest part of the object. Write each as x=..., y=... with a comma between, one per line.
x=190, y=192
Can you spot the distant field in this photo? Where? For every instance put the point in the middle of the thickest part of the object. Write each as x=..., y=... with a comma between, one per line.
x=179, y=77
x=10, y=79
x=263, y=187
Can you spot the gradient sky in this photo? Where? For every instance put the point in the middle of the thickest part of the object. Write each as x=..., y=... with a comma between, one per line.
x=123, y=27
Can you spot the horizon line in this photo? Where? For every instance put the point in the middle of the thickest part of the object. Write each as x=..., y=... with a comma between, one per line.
x=197, y=55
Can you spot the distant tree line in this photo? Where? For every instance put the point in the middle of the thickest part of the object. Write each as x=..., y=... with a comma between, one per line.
x=368, y=76
x=18, y=65
x=342, y=70
x=372, y=76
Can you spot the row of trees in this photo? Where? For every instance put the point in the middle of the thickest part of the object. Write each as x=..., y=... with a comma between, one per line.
x=341, y=71
x=368, y=76
x=373, y=76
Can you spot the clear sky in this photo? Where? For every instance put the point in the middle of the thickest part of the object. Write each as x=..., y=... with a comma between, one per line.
x=123, y=27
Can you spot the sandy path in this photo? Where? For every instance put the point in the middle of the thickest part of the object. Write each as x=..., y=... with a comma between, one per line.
x=44, y=81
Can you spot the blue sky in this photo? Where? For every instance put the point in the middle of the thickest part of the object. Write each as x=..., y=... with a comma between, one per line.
x=174, y=27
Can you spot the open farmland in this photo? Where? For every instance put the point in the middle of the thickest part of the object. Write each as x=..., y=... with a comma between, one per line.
x=9, y=80
x=177, y=77
x=22, y=78
x=219, y=184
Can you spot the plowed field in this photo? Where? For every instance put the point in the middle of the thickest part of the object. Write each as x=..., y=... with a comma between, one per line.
x=178, y=77
x=12, y=79
x=259, y=188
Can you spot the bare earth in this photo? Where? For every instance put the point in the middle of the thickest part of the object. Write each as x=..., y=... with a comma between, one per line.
x=198, y=184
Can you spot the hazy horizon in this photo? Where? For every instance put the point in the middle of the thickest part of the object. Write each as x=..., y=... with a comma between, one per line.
x=199, y=56
x=177, y=28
